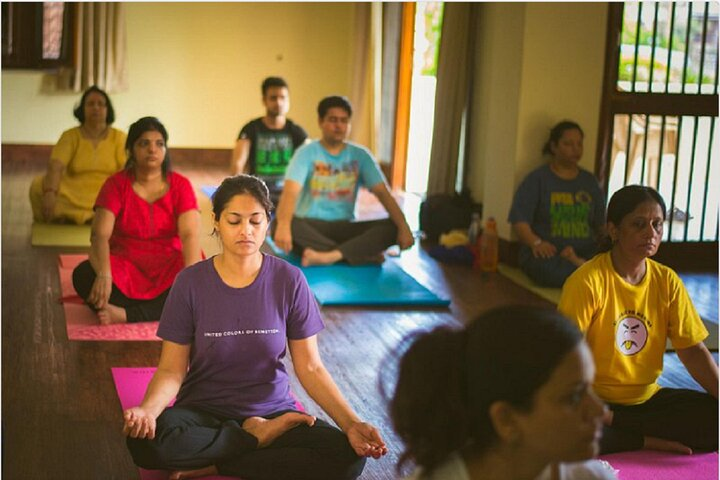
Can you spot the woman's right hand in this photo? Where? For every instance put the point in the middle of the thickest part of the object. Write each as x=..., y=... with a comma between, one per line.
x=100, y=291
x=544, y=250
x=139, y=423
x=49, y=199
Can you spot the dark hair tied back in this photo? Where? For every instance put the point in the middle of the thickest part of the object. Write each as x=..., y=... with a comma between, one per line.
x=428, y=408
x=239, y=185
x=624, y=201
x=449, y=379
x=557, y=132
x=79, y=110
x=145, y=124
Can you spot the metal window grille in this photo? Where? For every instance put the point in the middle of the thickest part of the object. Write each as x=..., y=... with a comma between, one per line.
x=662, y=108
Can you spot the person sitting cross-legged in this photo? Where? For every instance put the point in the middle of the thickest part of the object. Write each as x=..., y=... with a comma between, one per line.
x=316, y=209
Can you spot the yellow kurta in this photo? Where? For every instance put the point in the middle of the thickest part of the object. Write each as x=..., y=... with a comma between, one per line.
x=86, y=169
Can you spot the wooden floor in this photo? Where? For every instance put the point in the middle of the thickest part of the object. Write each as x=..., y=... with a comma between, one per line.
x=61, y=418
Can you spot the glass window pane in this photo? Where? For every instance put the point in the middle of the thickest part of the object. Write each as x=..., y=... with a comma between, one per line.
x=52, y=30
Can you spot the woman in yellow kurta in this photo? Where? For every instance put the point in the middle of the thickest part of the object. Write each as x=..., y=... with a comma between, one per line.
x=80, y=162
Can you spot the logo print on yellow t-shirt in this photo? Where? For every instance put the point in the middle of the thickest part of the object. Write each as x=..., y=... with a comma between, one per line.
x=630, y=335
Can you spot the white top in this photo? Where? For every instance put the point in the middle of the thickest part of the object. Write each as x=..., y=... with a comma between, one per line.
x=454, y=469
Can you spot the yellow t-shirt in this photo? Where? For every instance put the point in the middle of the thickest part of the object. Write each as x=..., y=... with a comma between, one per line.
x=627, y=326
x=86, y=169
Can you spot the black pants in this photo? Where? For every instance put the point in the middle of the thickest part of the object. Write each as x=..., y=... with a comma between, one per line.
x=357, y=241
x=137, y=310
x=686, y=416
x=189, y=438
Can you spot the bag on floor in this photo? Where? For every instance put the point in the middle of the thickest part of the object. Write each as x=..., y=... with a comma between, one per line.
x=442, y=212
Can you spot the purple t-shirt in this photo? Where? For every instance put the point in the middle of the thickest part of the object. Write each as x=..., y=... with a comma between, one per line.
x=239, y=336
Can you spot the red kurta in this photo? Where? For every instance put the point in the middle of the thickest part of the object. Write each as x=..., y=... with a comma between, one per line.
x=145, y=249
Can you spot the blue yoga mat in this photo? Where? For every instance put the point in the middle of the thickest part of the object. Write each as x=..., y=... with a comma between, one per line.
x=368, y=285
x=208, y=190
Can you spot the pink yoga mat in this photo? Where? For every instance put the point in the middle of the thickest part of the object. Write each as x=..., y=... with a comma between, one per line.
x=654, y=465
x=81, y=321
x=131, y=384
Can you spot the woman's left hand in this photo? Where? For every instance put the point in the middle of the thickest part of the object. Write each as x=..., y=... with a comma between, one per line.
x=366, y=440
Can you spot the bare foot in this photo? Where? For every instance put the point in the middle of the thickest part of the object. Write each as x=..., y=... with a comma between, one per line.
x=654, y=443
x=112, y=314
x=267, y=431
x=313, y=257
x=568, y=253
x=200, y=472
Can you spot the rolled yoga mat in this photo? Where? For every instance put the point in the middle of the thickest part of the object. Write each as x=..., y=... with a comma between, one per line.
x=81, y=321
x=57, y=235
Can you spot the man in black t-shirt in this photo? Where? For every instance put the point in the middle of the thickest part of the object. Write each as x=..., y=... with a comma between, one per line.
x=266, y=144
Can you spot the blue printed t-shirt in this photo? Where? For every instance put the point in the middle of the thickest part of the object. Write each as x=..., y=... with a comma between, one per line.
x=271, y=150
x=563, y=212
x=329, y=182
x=239, y=336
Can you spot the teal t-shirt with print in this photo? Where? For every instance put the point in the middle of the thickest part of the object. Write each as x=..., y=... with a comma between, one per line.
x=330, y=183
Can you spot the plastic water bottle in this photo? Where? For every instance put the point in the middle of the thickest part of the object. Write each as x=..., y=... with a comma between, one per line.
x=489, y=247
x=474, y=230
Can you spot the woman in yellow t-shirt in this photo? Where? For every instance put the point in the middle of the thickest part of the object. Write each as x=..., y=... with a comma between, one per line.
x=629, y=306
x=80, y=162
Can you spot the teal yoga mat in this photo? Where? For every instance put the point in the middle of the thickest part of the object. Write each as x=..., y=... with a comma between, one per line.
x=208, y=190
x=366, y=285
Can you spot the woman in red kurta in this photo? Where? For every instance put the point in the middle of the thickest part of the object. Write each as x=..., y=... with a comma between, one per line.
x=145, y=231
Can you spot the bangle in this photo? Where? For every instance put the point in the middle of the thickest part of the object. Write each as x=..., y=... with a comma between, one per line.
x=49, y=190
x=104, y=275
x=537, y=242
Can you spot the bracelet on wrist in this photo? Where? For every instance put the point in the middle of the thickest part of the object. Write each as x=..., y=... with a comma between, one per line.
x=104, y=275
x=50, y=190
x=537, y=242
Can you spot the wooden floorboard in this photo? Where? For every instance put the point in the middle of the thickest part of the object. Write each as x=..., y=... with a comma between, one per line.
x=61, y=418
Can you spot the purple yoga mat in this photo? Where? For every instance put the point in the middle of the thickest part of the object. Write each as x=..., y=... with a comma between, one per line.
x=81, y=321
x=654, y=465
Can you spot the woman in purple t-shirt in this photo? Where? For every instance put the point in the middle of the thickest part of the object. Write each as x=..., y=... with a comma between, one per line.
x=226, y=326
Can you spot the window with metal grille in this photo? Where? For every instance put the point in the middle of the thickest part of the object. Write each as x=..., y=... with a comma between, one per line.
x=659, y=110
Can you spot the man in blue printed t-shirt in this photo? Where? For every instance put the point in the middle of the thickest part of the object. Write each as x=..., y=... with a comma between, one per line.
x=316, y=210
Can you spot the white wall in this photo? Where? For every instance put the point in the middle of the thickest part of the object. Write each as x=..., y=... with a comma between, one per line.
x=198, y=67
x=538, y=63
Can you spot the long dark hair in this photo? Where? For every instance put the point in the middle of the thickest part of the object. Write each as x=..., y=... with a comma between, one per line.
x=623, y=202
x=79, y=110
x=449, y=378
x=146, y=124
x=556, y=134
x=238, y=185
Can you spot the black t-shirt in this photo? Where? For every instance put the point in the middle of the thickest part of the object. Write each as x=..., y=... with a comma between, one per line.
x=271, y=150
